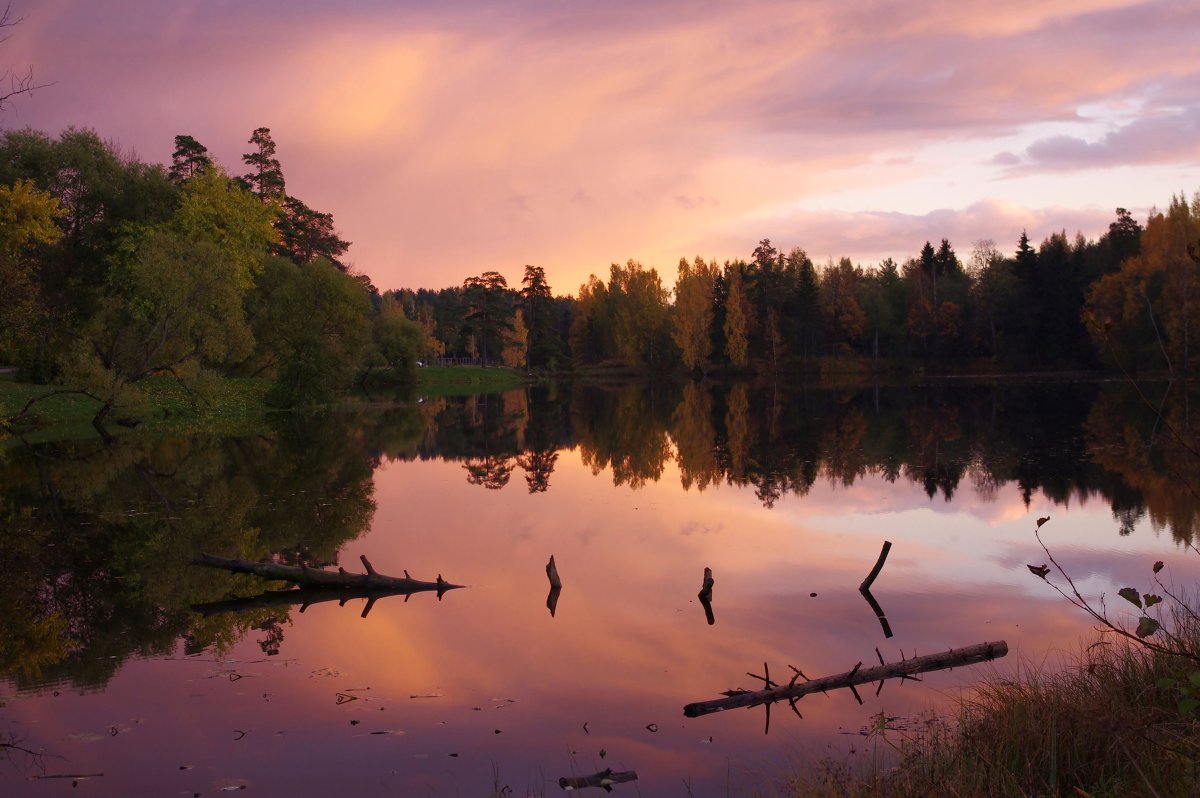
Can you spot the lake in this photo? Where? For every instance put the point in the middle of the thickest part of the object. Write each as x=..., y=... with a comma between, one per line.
x=126, y=670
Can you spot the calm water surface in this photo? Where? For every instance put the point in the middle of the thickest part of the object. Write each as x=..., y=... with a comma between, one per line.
x=109, y=670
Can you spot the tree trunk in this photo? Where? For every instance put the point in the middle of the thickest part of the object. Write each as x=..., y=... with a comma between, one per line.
x=971, y=655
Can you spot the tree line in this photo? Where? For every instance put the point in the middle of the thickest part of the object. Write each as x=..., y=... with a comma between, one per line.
x=1125, y=299
x=114, y=270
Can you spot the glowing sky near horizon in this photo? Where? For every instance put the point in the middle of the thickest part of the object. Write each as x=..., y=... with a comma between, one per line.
x=454, y=138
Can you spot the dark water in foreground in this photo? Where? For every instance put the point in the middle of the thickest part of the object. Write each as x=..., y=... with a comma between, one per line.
x=107, y=668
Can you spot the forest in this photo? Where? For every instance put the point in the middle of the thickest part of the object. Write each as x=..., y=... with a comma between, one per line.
x=115, y=270
x=1069, y=304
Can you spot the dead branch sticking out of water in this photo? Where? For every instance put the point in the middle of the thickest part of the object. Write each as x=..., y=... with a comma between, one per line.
x=866, y=583
x=865, y=589
x=795, y=690
x=705, y=596
x=555, y=586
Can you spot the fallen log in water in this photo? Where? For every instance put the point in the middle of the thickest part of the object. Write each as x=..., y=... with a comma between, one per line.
x=316, y=584
x=790, y=692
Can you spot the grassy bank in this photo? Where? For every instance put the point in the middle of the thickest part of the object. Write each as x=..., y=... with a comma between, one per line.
x=228, y=406
x=1117, y=720
x=465, y=380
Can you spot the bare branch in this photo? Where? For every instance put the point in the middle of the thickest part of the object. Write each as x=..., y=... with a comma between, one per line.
x=18, y=83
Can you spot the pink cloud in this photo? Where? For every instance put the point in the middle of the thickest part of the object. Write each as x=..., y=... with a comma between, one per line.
x=1163, y=137
x=451, y=139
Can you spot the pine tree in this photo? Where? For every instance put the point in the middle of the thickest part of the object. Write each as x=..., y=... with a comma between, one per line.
x=189, y=159
x=266, y=176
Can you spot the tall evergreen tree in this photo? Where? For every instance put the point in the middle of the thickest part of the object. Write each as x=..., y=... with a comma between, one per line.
x=265, y=178
x=804, y=307
x=489, y=316
x=1124, y=236
x=305, y=234
x=538, y=304
x=189, y=159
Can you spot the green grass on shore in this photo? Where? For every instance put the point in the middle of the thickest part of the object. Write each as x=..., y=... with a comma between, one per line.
x=1115, y=720
x=224, y=405
x=465, y=380
x=227, y=406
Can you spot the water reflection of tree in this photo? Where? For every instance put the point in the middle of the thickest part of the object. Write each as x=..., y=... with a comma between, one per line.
x=538, y=465
x=1155, y=454
x=623, y=429
x=939, y=455
x=1025, y=437
x=491, y=471
x=694, y=435
x=94, y=565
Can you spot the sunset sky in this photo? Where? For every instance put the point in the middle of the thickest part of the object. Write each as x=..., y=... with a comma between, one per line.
x=452, y=138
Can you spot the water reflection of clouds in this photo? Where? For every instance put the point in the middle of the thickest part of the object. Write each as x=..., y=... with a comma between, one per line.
x=629, y=645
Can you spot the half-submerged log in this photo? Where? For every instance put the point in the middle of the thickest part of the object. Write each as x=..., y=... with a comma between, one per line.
x=790, y=692
x=705, y=596
x=605, y=779
x=316, y=584
x=555, y=586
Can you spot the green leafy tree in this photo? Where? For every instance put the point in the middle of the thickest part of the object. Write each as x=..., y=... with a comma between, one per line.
x=27, y=223
x=173, y=298
x=100, y=193
x=218, y=209
x=173, y=305
x=327, y=336
x=397, y=340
